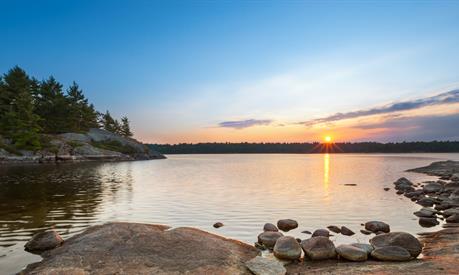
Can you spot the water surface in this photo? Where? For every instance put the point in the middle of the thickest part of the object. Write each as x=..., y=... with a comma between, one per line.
x=242, y=191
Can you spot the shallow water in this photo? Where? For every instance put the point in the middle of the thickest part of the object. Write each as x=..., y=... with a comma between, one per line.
x=242, y=191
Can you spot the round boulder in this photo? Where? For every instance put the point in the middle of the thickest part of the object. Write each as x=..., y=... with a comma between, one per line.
x=432, y=187
x=453, y=218
x=287, y=248
x=269, y=238
x=351, y=253
x=364, y=246
x=391, y=253
x=44, y=241
x=375, y=226
x=287, y=225
x=318, y=248
x=428, y=222
x=321, y=232
x=401, y=239
x=270, y=227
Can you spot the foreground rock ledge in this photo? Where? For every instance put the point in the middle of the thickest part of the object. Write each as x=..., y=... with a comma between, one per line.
x=131, y=248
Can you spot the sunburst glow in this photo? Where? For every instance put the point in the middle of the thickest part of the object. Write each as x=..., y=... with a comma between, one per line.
x=327, y=139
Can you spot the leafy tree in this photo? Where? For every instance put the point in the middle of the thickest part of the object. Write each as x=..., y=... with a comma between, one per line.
x=125, y=128
x=17, y=118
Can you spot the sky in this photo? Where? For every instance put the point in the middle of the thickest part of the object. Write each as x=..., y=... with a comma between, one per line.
x=255, y=71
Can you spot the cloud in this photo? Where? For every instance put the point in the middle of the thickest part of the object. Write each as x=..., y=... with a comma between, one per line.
x=443, y=98
x=241, y=124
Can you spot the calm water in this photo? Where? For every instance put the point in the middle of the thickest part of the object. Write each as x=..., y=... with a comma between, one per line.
x=242, y=191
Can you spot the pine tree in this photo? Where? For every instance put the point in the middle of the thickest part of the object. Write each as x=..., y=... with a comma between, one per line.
x=125, y=128
x=82, y=115
x=17, y=119
x=108, y=123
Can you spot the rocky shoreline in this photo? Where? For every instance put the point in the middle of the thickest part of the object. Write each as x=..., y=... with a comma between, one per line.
x=95, y=145
x=156, y=249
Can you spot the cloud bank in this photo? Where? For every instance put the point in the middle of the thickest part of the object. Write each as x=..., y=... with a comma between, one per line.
x=241, y=124
x=443, y=98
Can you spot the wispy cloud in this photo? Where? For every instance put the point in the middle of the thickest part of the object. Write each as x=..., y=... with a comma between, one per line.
x=241, y=124
x=443, y=98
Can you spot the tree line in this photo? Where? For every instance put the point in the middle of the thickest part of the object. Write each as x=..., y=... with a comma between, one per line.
x=305, y=148
x=30, y=108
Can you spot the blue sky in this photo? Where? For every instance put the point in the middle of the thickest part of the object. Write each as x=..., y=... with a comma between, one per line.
x=185, y=71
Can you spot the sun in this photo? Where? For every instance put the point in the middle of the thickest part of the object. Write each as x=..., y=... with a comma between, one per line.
x=327, y=139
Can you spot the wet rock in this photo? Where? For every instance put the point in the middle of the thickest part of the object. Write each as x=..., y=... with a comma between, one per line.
x=453, y=218
x=402, y=239
x=414, y=194
x=391, y=253
x=451, y=211
x=375, y=226
x=426, y=202
x=346, y=231
x=442, y=206
x=306, y=232
x=432, y=187
x=425, y=212
x=44, y=241
x=403, y=180
x=269, y=238
x=428, y=222
x=270, y=227
x=364, y=246
x=321, y=232
x=287, y=225
x=218, y=225
x=350, y=184
x=318, y=248
x=379, y=233
x=386, y=188
x=351, y=253
x=399, y=192
x=287, y=248
x=366, y=232
x=334, y=228
x=265, y=266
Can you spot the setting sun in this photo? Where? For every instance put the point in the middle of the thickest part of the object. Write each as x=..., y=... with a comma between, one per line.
x=328, y=139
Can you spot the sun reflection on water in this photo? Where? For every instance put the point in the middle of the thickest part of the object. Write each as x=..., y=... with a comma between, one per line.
x=326, y=170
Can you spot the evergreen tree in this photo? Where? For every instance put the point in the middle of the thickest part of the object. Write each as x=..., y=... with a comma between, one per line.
x=125, y=128
x=82, y=115
x=108, y=123
x=17, y=119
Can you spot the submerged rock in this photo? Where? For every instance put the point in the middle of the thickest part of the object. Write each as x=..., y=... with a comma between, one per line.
x=270, y=227
x=269, y=238
x=306, y=232
x=351, y=253
x=44, y=241
x=402, y=239
x=287, y=248
x=391, y=253
x=375, y=226
x=218, y=225
x=346, y=231
x=321, y=232
x=287, y=224
x=366, y=232
x=334, y=228
x=318, y=248
x=265, y=266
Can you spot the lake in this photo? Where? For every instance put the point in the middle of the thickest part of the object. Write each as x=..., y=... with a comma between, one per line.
x=242, y=191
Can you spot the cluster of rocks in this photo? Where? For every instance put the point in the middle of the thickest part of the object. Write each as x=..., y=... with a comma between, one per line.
x=439, y=199
x=385, y=246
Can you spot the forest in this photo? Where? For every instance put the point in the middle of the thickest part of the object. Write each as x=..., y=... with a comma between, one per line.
x=31, y=110
x=304, y=148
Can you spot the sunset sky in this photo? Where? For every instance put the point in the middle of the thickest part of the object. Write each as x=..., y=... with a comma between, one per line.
x=197, y=71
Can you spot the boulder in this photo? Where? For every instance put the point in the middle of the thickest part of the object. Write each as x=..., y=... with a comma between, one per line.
x=428, y=222
x=321, y=232
x=287, y=248
x=334, y=228
x=351, y=253
x=391, y=253
x=287, y=224
x=402, y=239
x=318, y=248
x=44, y=241
x=269, y=238
x=265, y=266
x=375, y=226
x=426, y=202
x=270, y=227
x=364, y=246
x=432, y=187
x=425, y=212
x=346, y=231
x=453, y=218
x=451, y=211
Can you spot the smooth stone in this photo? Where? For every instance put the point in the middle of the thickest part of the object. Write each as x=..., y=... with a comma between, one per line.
x=287, y=248
x=450, y=211
x=425, y=212
x=321, y=232
x=218, y=225
x=318, y=248
x=375, y=226
x=269, y=238
x=334, y=228
x=346, y=231
x=391, y=253
x=403, y=180
x=366, y=232
x=428, y=222
x=351, y=253
x=270, y=227
x=453, y=218
x=265, y=266
x=427, y=202
x=287, y=224
x=402, y=239
x=432, y=187
x=44, y=241
x=386, y=188
x=306, y=232
x=364, y=246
